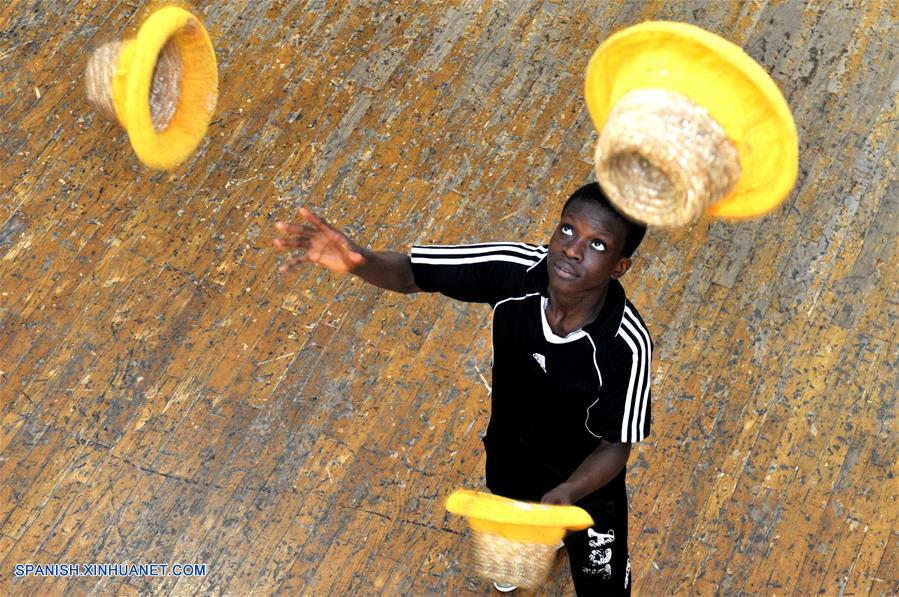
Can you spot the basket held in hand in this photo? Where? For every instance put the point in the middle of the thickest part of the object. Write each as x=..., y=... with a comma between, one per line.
x=514, y=542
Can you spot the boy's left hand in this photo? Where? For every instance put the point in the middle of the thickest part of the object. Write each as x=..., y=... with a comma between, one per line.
x=559, y=496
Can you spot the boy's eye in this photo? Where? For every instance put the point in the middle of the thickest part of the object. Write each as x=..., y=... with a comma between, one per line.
x=598, y=245
x=566, y=229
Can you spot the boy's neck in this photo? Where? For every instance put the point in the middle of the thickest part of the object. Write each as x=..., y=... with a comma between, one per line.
x=566, y=314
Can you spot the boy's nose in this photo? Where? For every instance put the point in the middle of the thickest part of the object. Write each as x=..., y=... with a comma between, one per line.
x=573, y=250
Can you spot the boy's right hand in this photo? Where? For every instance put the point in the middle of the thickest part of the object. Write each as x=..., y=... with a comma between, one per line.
x=318, y=242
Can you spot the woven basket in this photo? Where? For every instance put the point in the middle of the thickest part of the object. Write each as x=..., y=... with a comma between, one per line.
x=161, y=86
x=689, y=124
x=664, y=160
x=509, y=561
x=513, y=542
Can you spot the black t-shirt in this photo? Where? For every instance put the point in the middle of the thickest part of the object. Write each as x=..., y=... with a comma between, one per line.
x=553, y=398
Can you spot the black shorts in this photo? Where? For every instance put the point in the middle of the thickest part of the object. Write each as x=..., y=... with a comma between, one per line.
x=598, y=556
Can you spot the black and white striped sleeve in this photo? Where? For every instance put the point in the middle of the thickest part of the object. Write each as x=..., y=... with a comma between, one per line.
x=625, y=391
x=482, y=273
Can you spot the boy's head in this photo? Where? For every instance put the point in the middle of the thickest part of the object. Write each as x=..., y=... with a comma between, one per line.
x=591, y=245
x=593, y=193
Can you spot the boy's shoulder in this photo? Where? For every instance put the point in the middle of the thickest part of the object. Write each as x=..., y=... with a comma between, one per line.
x=618, y=316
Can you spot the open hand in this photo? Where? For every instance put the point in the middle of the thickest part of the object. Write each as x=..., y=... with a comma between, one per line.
x=317, y=242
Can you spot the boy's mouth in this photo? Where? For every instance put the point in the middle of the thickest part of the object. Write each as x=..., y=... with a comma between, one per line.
x=564, y=270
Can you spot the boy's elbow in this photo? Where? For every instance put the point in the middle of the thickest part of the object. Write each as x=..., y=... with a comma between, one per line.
x=407, y=283
x=409, y=286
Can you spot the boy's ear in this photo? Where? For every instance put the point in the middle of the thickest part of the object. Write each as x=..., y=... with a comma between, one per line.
x=624, y=264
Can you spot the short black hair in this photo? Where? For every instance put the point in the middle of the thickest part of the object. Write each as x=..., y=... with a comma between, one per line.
x=593, y=193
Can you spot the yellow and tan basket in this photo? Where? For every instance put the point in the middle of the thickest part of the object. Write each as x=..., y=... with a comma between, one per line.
x=514, y=542
x=161, y=86
x=688, y=124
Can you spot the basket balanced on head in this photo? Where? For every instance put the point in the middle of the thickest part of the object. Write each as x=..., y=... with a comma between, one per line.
x=161, y=86
x=514, y=542
x=688, y=123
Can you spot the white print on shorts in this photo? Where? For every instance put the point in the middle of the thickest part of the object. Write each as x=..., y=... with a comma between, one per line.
x=600, y=539
x=627, y=573
x=600, y=556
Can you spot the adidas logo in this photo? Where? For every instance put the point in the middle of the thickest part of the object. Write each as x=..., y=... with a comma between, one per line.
x=541, y=360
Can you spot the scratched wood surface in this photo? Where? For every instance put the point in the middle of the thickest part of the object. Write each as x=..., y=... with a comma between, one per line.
x=168, y=397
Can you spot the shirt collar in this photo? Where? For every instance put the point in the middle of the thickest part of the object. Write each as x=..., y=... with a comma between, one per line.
x=606, y=323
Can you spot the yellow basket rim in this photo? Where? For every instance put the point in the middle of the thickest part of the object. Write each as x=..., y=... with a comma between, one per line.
x=161, y=150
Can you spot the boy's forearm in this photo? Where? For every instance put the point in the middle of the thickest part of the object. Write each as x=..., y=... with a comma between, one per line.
x=600, y=467
x=388, y=270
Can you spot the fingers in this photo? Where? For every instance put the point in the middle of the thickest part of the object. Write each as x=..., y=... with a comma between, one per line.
x=315, y=220
x=299, y=239
x=330, y=247
x=313, y=224
x=299, y=235
x=291, y=242
x=291, y=263
x=289, y=228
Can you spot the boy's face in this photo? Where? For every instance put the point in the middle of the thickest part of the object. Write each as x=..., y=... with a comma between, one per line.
x=585, y=249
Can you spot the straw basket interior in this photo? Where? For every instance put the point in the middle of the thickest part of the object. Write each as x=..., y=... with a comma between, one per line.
x=165, y=90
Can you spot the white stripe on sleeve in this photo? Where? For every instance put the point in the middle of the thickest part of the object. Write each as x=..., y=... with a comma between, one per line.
x=519, y=253
x=479, y=249
x=629, y=397
x=637, y=399
x=644, y=333
x=478, y=259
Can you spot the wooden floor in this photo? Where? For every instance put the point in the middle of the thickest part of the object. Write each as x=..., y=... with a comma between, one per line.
x=168, y=397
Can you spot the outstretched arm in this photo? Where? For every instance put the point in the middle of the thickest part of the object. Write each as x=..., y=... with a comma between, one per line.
x=600, y=467
x=321, y=243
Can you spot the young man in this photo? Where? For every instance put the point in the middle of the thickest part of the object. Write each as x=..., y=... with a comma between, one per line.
x=571, y=361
